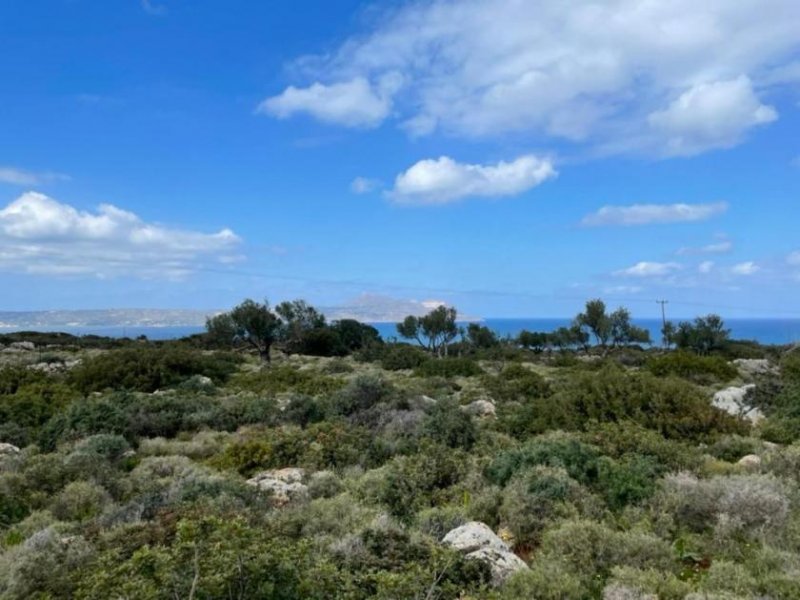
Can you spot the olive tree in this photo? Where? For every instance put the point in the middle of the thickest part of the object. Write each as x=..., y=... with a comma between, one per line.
x=251, y=323
x=433, y=331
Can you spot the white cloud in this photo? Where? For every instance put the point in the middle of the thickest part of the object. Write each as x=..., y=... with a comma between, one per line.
x=745, y=268
x=649, y=269
x=705, y=267
x=622, y=289
x=16, y=176
x=794, y=258
x=363, y=185
x=710, y=115
x=354, y=103
x=720, y=247
x=646, y=214
x=41, y=235
x=443, y=180
x=624, y=75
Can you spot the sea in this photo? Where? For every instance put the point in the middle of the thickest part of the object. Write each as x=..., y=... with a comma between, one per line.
x=764, y=331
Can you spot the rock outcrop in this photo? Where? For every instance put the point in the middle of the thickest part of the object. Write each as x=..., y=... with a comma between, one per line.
x=734, y=400
x=8, y=449
x=284, y=485
x=477, y=541
x=754, y=366
x=480, y=408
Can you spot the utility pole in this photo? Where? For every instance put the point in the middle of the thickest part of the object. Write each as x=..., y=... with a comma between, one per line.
x=663, y=304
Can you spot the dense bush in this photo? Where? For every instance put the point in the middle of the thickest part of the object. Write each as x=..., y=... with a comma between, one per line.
x=147, y=368
x=449, y=367
x=402, y=356
x=702, y=369
x=277, y=379
x=672, y=407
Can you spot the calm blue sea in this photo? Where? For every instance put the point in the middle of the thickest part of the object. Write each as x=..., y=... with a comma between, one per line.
x=765, y=331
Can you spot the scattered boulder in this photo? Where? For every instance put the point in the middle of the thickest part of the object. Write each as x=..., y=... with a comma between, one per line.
x=472, y=536
x=477, y=541
x=8, y=449
x=23, y=346
x=749, y=461
x=480, y=408
x=285, y=485
x=734, y=400
x=754, y=366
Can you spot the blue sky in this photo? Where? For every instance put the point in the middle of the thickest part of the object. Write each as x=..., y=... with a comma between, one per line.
x=512, y=158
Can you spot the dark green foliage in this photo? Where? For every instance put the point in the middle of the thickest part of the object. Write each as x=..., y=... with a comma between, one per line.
x=534, y=340
x=578, y=459
x=449, y=425
x=327, y=445
x=402, y=356
x=516, y=383
x=148, y=368
x=705, y=335
x=449, y=367
x=674, y=408
x=702, y=369
x=629, y=480
x=418, y=481
x=360, y=394
x=286, y=379
x=434, y=331
x=480, y=336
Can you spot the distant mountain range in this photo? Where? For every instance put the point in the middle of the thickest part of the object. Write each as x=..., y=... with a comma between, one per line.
x=368, y=308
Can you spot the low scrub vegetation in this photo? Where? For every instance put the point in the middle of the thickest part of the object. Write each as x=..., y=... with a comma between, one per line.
x=198, y=469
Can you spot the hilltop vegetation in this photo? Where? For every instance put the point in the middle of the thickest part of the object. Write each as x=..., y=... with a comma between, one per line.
x=281, y=456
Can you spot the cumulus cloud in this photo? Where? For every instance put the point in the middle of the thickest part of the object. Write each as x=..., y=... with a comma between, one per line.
x=443, y=180
x=354, y=103
x=705, y=267
x=674, y=77
x=710, y=115
x=41, y=235
x=745, y=268
x=648, y=269
x=17, y=176
x=647, y=214
x=363, y=185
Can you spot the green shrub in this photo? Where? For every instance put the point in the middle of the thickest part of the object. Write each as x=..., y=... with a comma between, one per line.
x=449, y=425
x=277, y=379
x=701, y=369
x=362, y=393
x=516, y=383
x=79, y=501
x=150, y=368
x=399, y=357
x=535, y=498
x=411, y=483
x=448, y=367
x=731, y=448
x=627, y=481
x=674, y=408
x=579, y=460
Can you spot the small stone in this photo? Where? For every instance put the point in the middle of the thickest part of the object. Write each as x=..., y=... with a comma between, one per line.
x=285, y=485
x=480, y=408
x=750, y=461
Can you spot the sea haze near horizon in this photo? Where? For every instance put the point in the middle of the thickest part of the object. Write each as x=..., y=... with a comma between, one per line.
x=765, y=331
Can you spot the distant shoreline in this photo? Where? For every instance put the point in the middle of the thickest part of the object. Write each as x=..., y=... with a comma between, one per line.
x=762, y=330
